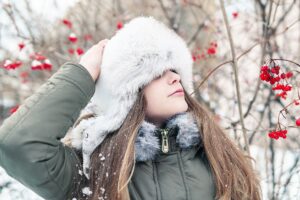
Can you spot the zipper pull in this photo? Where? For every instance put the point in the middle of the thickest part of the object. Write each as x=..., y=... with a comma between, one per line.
x=165, y=143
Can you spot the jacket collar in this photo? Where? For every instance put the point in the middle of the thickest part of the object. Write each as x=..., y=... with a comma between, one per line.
x=181, y=128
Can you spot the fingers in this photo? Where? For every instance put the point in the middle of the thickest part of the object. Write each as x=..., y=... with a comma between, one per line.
x=103, y=42
x=100, y=45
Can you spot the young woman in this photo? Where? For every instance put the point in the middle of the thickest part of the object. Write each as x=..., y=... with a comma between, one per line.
x=140, y=135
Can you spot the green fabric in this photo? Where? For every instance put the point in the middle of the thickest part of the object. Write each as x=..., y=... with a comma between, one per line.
x=30, y=146
x=180, y=175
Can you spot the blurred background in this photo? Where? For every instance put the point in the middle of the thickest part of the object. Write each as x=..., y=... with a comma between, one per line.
x=37, y=37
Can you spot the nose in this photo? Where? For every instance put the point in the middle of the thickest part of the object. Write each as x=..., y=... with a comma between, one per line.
x=173, y=77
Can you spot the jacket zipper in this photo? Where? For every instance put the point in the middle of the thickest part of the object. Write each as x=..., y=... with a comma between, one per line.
x=165, y=140
x=165, y=149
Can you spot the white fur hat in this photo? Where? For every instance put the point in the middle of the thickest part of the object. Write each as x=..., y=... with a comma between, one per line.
x=138, y=53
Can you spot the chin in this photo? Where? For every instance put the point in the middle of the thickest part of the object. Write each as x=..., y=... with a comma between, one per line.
x=183, y=107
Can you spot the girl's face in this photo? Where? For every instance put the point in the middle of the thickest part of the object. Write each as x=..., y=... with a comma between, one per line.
x=161, y=104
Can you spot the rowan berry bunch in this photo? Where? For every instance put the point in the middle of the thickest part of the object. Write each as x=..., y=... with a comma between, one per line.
x=277, y=134
x=273, y=74
x=207, y=52
x=38, y=62
x=73, y=39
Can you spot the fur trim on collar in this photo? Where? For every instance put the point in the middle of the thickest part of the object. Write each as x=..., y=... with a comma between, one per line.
x=183, y=125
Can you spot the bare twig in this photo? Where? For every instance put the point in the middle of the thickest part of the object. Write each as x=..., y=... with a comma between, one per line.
x=235, y=68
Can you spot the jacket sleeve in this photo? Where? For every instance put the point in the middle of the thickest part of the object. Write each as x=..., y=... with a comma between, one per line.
x=30, y=147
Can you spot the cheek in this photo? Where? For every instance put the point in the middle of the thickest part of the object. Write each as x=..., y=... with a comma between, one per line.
x=156, y=94
x=156, y=100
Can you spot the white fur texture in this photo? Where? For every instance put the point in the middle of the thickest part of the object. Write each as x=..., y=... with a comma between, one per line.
x=138, y=53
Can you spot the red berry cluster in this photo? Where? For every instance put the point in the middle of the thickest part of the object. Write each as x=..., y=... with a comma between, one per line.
x=280, y=82
x=40, y=62
x=277, y=134
x=212, y=49
x=8, y=64
x=272, y=75
x=282, y=133
x=209, y=51
x=74, y=39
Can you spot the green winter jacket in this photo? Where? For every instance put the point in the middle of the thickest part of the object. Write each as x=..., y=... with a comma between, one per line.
x=32, y=153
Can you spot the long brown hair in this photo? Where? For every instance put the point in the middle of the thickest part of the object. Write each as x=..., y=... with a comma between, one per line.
x=233, y=174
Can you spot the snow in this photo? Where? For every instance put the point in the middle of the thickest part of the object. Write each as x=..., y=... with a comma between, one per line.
x=87, y=191
x=101, y=157
x=10, y=189
x=102, y=190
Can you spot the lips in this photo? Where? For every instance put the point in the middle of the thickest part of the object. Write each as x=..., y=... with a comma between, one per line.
x=178, y=90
